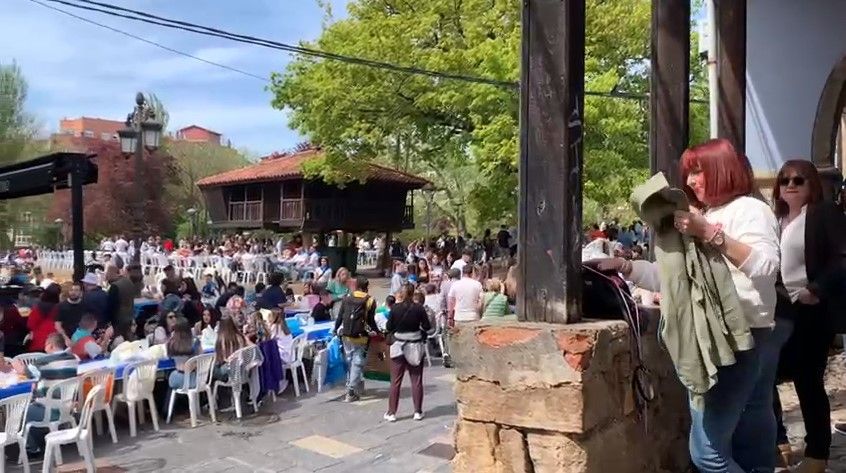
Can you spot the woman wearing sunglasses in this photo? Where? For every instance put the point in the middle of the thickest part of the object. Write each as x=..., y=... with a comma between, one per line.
x=813, y=264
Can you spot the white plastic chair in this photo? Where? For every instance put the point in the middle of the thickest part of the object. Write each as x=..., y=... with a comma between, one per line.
x=104, y=377
x=29, y=358
x=243, y=369
x=60, y=397
x=80, y=435
x=319, y=368
x=14, y=408
x=139, y=381
x=201, y=369
x=298, y=348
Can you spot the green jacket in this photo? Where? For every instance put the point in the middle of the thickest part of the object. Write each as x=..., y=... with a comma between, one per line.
x=702, y=323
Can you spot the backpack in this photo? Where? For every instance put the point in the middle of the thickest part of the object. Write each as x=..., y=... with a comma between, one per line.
x=354, y=316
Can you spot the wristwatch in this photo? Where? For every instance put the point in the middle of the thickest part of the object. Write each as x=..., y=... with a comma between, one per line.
x=718, y=239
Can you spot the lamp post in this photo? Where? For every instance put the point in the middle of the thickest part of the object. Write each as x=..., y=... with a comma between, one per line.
x=429, y=194
x=59, y=240
x=142, y=130
x=192, y=212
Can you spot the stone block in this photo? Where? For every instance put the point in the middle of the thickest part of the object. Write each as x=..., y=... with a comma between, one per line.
x=475, y=446
x=512, y=454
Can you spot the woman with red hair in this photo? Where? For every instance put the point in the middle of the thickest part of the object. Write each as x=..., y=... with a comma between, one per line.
x=733, y=430
x=810, y=301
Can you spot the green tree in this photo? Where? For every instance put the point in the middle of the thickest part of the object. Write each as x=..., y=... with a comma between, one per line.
x=17, y=127
x=443, y=128
x=195, y=161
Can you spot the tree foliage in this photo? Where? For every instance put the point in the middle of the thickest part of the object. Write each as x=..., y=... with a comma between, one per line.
x=194, y=161
x=17, y=127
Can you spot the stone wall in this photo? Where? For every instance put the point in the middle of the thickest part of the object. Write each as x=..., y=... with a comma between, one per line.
x=558, y=398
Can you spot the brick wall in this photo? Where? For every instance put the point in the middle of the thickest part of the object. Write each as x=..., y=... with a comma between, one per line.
x=558, y=398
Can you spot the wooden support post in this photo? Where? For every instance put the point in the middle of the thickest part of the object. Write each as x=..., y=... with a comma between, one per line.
x=77, y=177
x=669, y=98
x=549, y=283
x=731, y=71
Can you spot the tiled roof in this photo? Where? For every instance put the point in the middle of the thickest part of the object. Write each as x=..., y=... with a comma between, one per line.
x=198, y=127
x=281, y=168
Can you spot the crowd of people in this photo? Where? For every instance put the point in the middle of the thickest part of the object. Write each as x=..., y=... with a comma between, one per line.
x=769, y=303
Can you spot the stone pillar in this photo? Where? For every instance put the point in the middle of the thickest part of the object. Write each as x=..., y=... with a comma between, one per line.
x=537, y=397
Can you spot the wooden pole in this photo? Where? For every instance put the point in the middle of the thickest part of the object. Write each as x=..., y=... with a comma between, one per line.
x=669, y=98
x=549, y=283
x=731, y=71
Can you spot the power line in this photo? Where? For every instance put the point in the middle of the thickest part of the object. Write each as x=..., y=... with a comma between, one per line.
x=136, y=15
x=153, y=43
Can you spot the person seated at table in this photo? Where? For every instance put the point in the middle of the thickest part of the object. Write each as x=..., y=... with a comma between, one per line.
x=181, y=347
x=85, y=343
x=255, y=329
x=311, y=295
x=208, y=320
x=279, y=331
x=229, y=340
x=42, y=320
x=320, y=312
x=167, y=325
x=210, y=292
x=129, y=337
x=323, y=272
x=13, y=327
x=253, y=297
x=57, y=365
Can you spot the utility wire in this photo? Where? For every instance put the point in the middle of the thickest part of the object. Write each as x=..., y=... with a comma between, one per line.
x=153, y=43
x=141, y=16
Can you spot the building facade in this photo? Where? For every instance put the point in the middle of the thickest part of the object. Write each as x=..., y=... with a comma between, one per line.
x=88, y=127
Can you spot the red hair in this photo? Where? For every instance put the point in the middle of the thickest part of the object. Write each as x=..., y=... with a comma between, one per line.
x=805, y=169
x=727, y=173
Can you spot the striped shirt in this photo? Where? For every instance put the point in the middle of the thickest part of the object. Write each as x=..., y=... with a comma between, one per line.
x=494, y=304
x=52, y=368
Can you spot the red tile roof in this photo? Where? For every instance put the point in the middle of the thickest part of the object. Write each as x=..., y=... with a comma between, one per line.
x=197, y=127
x=280, y=168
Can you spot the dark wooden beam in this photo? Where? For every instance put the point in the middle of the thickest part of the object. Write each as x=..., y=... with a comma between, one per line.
x=669, y=98
x=731, y=71
x=551, y=112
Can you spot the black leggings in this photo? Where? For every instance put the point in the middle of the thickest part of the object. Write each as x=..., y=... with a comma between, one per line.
x=804, y=359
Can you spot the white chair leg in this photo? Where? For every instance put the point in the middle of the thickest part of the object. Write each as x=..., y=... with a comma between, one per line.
x=170, y=405
x=111, y=419
x=305, y=378
x=48, y=458
x=22, y=458
x=236, y=401
x=212, y=404
x=57, y=448
x=296, y=380
x=88, y=455
x=130, y=407
x=140, y=406
x=154, y=413
x=193, y=407
x=98, y=422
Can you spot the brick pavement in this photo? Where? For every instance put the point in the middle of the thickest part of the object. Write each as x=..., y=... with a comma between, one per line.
x=316, y=432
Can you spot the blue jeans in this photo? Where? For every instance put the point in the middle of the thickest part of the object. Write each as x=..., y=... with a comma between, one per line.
x=356, y=356
x=735, y=430
x=177, y=378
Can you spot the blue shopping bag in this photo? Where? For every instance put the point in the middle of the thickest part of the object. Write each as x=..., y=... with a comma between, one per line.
x=336, y=370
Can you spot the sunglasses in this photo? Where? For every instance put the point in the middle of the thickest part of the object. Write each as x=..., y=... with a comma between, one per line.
x=797, y=181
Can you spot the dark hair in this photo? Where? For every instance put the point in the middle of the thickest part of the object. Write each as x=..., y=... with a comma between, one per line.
x=191, y=288
x=430, y=288
x=454, y=273
x=407, y=292
x=362, y=284
x=181, y=341
x=467, y=252
x=276, y=279
x=467, y=269
x=215, y=316
x=232, y=286
x=168, y=268
x=805, y=169
x=169, y=287
x=239, y=291
x=259, y=287
x=390, y=300
x=726, y=172
x=87, y=318
x=51, y=294
x=133, y=267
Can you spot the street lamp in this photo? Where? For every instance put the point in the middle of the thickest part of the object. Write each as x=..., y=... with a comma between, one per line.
x=142, y=131
x=59, y=238
x=429, y=194
x=192, y=212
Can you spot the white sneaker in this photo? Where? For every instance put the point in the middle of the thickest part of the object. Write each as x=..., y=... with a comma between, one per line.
x=418, y=416
x=390, y=417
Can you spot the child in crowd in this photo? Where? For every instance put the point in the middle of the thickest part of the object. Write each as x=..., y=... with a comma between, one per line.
x=229, y=340
x=83, y=342
x=255, y=330
x=279, y=331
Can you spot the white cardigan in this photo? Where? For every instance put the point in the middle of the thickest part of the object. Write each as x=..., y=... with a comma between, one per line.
x=750, y=221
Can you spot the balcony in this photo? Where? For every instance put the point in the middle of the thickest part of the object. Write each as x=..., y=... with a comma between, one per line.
x=245, y=211
x=326, y=214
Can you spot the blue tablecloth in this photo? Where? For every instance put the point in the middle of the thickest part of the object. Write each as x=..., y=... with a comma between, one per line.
x=315, y=332
x=140, y=304
x=22, y=387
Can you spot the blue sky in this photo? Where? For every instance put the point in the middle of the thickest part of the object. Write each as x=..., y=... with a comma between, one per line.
x=74, y=68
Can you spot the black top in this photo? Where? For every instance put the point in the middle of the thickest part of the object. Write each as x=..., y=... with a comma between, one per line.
x=408, y=317
x=272, y=298
x=69, y=316
x=320, y=313
x=825, y=259
x=96, y=302
x=502, y=238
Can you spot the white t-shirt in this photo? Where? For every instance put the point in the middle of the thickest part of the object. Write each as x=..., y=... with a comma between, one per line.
x=794, y=274
x=459, y=264
x=108, y=246
x=121, y=245
x=466, y=293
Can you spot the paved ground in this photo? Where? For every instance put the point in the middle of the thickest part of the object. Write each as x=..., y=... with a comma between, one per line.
x=316, y=432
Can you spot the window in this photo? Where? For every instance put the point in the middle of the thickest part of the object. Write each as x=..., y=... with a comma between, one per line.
x=23, y=240
x=88, y=134
x=26, y=217
x=105, y=136
x=245, y=203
